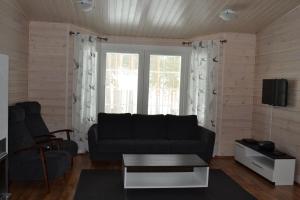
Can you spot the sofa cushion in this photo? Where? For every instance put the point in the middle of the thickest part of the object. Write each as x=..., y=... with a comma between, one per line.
x=116, y=146
x=149, y=127
x=181, y=127
x=114, y=126
x=185, y=146
x=28, y=166
x=70, y=146
x=152, y=146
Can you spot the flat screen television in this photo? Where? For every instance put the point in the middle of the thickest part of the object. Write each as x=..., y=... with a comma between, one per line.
x=275, y=92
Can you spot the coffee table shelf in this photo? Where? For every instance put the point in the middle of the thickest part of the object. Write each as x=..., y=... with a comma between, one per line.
x=166, y=180
x=196, y=178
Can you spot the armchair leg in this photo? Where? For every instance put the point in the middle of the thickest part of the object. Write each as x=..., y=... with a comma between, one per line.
x=72, y=162
x=45, y=169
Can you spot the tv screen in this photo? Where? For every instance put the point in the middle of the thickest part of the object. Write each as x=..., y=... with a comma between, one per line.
x=275, y=92
x=281, y=92
x=268, y=91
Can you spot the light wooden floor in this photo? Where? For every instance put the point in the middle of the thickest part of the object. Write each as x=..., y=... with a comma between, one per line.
x=64, y=188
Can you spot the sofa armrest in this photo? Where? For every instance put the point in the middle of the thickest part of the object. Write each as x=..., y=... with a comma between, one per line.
x=93, y=135
x=207, y=139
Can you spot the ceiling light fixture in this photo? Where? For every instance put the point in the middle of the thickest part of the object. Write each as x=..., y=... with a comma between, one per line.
x=86, y=5
x=228, y=15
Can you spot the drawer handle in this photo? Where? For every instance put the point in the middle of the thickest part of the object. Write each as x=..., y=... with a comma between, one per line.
x=257, y=165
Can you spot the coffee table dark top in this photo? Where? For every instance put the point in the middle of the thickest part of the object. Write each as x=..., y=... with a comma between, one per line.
x=163, y=160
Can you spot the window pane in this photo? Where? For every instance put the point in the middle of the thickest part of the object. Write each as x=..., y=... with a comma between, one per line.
x=121, y=82
x=164, y=84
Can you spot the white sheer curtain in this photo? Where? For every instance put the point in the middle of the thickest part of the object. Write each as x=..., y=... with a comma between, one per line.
x=84, y=108
x=203, y=82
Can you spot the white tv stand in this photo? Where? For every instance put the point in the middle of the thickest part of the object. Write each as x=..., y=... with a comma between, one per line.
x=278, y=169
x=3, y=125
x=3, y=96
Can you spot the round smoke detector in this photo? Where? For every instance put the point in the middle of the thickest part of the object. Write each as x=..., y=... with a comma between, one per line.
x=85, y=5
x=228, y=15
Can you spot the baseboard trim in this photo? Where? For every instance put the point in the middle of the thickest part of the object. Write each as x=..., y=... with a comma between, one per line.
x=224, y=157
x=297, y=180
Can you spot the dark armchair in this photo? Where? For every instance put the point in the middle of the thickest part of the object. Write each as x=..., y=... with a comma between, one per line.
x=39, y=130
x=29, y=160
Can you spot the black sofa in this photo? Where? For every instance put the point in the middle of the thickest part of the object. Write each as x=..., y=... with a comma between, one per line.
x=116, y=134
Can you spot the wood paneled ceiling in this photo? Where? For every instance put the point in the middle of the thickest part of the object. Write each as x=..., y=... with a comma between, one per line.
x=161, y=18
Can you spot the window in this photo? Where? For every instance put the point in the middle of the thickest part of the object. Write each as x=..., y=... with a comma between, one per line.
x=164, y=84
x=121, y=83
x=142, y=79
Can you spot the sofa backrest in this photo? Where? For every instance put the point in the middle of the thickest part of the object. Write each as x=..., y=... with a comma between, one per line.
x=181, y=127
x=149, y=127
x=115, y=126
x=145, y=127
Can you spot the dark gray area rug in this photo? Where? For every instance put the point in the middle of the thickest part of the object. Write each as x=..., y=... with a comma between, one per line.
x=107, y=185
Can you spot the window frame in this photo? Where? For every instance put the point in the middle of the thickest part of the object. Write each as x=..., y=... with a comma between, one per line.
x=167, y=51
x=144, y=52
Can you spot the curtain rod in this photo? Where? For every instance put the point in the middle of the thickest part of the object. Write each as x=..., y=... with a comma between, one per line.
x=188, y=43
x=184, y=43
x=99, y=38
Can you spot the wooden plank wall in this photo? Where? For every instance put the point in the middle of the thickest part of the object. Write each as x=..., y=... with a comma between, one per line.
x=237, y=100
x=14, y=43
x=278, y=56
x=51, y=70
x=47, y=72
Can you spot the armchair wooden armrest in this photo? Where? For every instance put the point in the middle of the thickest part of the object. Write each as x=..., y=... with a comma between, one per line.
x=49, y=140
x=44, y=136
x=67, y=131
x=57, y=141
x=39, y=138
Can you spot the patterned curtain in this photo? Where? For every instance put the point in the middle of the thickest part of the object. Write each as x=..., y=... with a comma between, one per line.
x=203, y=81
x=84, y=108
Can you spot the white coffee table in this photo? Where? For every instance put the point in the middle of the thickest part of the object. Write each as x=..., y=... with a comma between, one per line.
x=164, y=171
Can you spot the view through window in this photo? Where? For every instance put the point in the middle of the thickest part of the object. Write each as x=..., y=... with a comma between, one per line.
x=121, y=82
x=164, y=84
